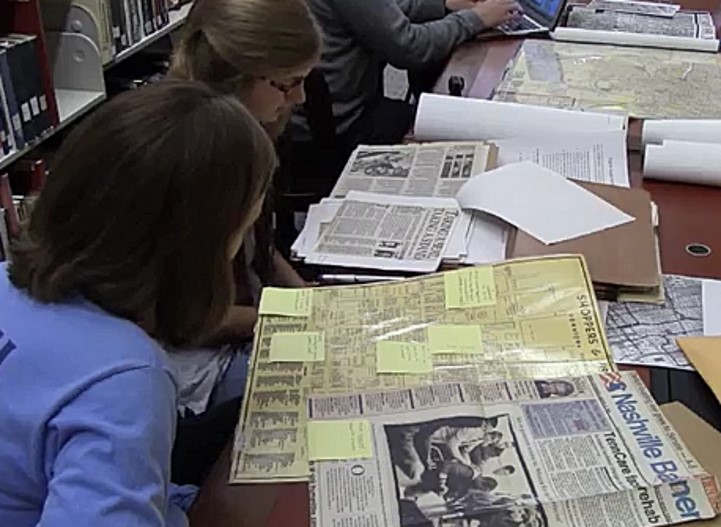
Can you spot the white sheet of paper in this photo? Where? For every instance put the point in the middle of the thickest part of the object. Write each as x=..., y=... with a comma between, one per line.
x=540, y=202
x=487, y=239
x=457, y=247
x=684, y=162
x=693, y=130
x=598, y=157
x=447, y=118
x=645, y=40
x=711, y=302
x=318, y=214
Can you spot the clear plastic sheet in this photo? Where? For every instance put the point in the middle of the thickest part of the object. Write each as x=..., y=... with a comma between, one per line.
x=543, y=323
x=642, y=82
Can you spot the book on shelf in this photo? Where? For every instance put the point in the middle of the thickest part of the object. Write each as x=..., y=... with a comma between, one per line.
x=24, y=17
x=118, y=24
x=24, y=106
x=133, y=20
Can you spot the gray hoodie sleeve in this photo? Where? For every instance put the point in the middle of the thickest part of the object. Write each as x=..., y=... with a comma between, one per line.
x=382, y=27
x=423, y=10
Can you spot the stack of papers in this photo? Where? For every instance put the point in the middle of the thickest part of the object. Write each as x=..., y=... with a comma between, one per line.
x=392, y=233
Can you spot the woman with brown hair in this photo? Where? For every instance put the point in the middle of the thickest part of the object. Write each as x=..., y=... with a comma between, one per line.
x=130, y=246
x=259, y=51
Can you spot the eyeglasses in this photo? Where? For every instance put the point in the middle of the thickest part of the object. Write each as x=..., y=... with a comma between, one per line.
x=286, y=87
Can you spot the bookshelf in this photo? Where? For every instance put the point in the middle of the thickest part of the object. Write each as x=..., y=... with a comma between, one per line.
x=77, y=69
x=177, y=18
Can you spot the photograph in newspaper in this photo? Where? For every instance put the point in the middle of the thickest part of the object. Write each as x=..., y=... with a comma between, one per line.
x=592, y=451
x=426, y=170
x=465, y=467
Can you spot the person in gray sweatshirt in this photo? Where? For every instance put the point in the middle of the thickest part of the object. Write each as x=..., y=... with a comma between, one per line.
x=362, y=36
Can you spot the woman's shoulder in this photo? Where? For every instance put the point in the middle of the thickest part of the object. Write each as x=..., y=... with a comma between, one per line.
x=74, y=332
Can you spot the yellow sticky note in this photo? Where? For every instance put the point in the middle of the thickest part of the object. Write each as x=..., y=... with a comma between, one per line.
x=472, y=287
x=332, y=440
x=403, y=357
x=286, y=302
x=455, y=338
x=308, y=346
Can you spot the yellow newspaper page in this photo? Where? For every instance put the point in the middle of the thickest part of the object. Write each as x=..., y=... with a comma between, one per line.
x=543, y=323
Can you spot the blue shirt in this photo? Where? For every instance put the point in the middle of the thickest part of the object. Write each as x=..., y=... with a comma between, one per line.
x=87, y=418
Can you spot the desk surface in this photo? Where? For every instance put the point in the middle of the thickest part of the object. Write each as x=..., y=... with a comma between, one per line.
x=688, y=215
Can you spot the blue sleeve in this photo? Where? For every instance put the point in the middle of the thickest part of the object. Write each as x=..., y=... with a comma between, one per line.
x=111, y=447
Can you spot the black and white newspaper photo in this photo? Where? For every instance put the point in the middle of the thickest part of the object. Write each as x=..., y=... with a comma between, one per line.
x=428, y=169
x=572, y=452
x=465, y=467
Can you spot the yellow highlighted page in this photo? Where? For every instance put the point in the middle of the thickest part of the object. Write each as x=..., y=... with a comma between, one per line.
x=286, y=302
x=455, y=338
x=331, y=440
x=307, y=346
x=472, y=287
x=403, y=357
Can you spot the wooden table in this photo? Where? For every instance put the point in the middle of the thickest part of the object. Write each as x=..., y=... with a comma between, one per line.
x=688, y=215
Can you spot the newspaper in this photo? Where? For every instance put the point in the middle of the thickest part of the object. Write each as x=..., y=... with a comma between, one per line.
x=395, y=233
x=429, y=169
x=544, y=323
x=682, y=24
x=574, y=452
x=639, y=8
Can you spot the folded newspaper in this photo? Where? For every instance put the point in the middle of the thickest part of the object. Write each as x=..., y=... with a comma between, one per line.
x=395, y=233
x=572, y=452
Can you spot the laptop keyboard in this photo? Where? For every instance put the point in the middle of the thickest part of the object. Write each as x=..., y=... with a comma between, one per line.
x=522, y=24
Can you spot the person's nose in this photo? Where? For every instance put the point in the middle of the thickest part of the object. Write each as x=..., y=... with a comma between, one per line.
x=297, y=95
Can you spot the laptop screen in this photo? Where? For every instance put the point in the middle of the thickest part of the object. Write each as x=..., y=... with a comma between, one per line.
x=545, y=8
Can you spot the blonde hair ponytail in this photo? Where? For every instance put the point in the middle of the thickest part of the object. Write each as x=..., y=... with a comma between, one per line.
x=227, y=43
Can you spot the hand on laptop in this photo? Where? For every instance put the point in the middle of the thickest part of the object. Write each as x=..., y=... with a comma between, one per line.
x=497, y=12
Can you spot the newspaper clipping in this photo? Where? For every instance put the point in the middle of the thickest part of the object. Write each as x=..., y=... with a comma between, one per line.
x=682, y=24
x=429, y=169
x=387, y=232
x=582, y=451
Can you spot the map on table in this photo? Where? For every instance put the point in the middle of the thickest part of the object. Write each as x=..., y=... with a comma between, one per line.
x=643, y=82
x=645, y=334
x=537, y=318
